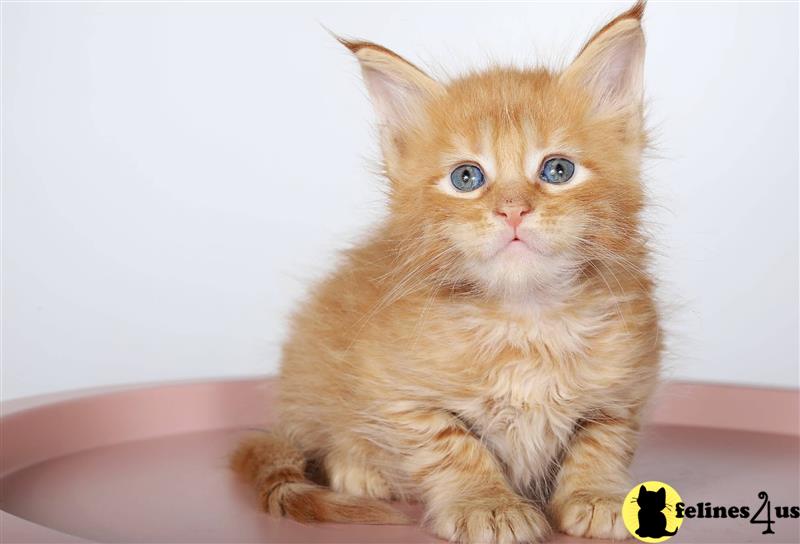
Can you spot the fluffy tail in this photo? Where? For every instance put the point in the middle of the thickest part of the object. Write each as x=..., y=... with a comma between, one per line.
x=277, y=469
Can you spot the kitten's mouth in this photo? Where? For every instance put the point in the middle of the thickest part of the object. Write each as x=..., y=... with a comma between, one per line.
x=517, y=244
x=516, y=240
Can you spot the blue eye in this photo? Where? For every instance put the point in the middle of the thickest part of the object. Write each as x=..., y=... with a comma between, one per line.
x=557, y=170
x=467, y=177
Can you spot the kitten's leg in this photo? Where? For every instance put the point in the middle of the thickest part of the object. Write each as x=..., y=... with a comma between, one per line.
x=593, y=480
x=466, y=494
x=350, y=470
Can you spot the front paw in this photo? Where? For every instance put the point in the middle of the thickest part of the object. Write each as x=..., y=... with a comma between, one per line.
x=361, y=481
x=591, y=517
x=487, y=520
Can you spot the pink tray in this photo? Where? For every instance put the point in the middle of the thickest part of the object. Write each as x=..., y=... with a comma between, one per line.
x=149, y=465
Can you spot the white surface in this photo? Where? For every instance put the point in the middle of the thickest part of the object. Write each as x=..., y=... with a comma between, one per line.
x=174, y=173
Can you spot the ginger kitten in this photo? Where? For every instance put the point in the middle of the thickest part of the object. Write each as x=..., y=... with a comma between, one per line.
x=489, y=349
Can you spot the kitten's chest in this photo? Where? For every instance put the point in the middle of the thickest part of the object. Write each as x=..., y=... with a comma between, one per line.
x=537, y=356
x=537, y=383
x=526, y=414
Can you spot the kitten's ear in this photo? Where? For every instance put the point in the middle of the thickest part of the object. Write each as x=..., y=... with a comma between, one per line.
x=642, y=490
x=398, y=88
x=611, y=64
x=662, y=494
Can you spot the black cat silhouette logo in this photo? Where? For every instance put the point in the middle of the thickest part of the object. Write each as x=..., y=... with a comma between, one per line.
x=649, y=511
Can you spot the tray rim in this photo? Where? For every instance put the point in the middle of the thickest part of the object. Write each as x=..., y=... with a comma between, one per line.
x=719, y=406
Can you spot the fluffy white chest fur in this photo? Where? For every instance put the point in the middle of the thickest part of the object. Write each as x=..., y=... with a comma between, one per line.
x=528, y=406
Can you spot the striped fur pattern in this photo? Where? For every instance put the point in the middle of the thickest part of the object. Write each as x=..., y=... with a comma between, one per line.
x=500, y=386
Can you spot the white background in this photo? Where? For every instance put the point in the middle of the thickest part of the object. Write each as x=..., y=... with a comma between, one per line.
x=174, y=174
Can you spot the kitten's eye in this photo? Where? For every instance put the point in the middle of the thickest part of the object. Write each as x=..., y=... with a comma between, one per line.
x=467, y=177
x=557, y=170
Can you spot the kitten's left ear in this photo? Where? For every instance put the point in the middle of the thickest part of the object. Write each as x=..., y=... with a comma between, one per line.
x=611, y=64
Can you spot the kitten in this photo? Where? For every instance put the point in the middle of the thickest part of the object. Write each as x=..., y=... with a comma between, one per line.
x=488, y=350
x=652, y=522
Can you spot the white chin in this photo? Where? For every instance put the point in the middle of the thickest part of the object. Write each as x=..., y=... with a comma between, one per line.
x=518, y=254
x=517, y=268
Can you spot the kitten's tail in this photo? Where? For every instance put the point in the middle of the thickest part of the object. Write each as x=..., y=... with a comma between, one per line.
x=277, y=469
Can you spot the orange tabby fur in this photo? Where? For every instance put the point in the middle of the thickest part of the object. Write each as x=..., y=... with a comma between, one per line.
x=501, y=389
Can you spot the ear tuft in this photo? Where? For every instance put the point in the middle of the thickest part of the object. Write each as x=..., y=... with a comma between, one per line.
x=636, y=11
x=356, y=46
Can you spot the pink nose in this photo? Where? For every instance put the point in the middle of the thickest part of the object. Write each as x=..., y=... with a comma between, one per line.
x=513, y=214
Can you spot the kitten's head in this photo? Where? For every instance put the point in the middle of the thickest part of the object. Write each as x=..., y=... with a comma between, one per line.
x=514, y=179
x=652, y=500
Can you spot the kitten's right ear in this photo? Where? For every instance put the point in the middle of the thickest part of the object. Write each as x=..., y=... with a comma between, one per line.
x=642, y=489
x=398, y=88
x=611, y=64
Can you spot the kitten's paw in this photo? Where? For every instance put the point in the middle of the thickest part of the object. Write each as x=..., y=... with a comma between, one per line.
x=491, y=521
x=591, y=517
x=360, y=480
